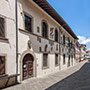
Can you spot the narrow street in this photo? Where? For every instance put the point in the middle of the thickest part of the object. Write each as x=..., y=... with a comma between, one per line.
x=79, y=80
x=74, y=78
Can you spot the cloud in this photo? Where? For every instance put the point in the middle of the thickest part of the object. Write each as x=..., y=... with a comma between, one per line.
x=84, y=40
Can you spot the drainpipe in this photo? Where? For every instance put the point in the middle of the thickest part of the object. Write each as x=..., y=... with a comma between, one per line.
x=16, y=38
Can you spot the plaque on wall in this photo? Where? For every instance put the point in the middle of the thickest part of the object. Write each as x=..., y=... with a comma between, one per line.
x=39, y=39
x=51, y=42
x=29, y=44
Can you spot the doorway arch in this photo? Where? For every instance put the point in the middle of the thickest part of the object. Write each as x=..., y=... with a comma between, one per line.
x=24, y=57
x=28, y=66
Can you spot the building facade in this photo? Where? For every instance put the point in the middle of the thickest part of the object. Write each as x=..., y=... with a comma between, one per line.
x=87, y=56
x=36, y=41
x=7, y=41
x=77, y=52
x=83, y=51
x=44, y=44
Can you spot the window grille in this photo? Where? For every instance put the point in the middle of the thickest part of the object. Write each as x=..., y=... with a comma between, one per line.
x=2, y=65
x=2, y=27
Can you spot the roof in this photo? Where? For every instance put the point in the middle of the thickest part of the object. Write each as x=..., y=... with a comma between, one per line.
x=88, y=51
x=82, y=45
x=51, y=11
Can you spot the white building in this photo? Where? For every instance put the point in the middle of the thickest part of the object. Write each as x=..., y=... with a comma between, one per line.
x=46, y=44
x=45, y=41
x=77, y=52
x=7, y=42
x=83, y=51
x=87, y=56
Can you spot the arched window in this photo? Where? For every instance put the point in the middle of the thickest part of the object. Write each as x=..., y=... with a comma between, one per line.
x=44, y=30
x=56, y=35
x=68, y=42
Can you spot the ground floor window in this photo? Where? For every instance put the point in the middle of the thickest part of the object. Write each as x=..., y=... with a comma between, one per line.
x=56, y=60
x=2, y=65
x=45, y=60
x=2, y=27
x=64, y=62
x=72, y=59
x=68, y=60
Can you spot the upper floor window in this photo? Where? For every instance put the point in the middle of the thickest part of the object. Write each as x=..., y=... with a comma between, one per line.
x=56, y=35
x=28, y=23
x=64, y=39
x=64, y=59
x=44, y=30
x=68, y=42
x=2, y=65
x=2, y=27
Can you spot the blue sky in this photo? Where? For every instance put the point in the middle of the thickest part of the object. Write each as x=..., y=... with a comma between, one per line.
x=77, y=14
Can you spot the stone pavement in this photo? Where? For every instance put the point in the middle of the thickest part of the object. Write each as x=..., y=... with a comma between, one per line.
x=74, y=78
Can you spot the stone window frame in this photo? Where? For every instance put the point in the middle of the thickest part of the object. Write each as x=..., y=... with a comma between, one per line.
x=43, y=33
x=64, y=57
x=56, y=60
x=28, y=15
x=56, y=35
x=45, y=67
x=63, y=39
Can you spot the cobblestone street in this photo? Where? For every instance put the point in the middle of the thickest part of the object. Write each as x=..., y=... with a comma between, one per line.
x=74, y=78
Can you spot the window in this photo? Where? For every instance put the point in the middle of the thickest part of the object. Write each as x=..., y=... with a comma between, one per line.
x=38, y=30
x=68, y=60
x=56, y=60
x=64, y=59
x=64, y=39
x=72, y=59
x=46, y=47
x=2, y=27
x=40, y=49
x=56, y=35
x=68, y=42
x=28, y=23
x=44, y=30
x=2, y=65
x=45, y=60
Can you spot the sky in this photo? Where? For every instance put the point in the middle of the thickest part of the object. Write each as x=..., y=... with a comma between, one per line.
x=77, y=15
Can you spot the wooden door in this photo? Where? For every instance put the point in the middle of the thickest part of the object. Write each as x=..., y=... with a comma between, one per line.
x=27, y=66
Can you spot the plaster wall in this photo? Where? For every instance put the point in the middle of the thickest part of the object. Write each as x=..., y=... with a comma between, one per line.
x=8, y=44
x=31, y=9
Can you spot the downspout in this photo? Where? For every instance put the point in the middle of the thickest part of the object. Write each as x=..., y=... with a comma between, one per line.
x=16, y=39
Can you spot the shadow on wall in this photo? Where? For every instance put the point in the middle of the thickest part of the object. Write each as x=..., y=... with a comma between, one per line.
x=79, y=80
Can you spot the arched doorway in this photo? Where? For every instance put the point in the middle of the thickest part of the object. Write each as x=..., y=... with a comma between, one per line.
x=28, y=66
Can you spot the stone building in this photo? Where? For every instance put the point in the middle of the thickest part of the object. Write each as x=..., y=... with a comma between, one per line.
x=35, y=40
x=83, y=51
x=46, y=44
x=87, y=56
x=77, y=51
x=7, y=42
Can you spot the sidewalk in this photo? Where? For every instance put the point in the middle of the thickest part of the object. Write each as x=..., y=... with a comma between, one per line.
x=46, y=82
